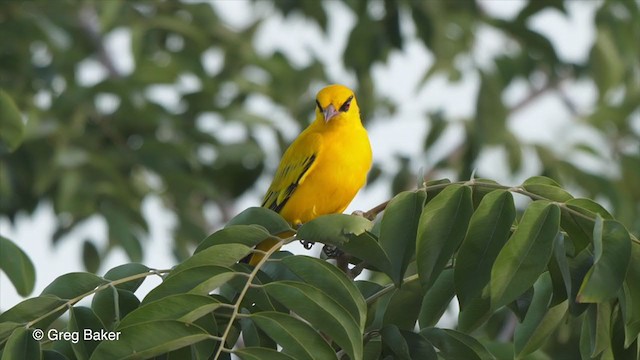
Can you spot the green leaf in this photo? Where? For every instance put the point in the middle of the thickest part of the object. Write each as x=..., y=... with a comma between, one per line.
x=82, y=318
x=267, y=218
x=249, y=235
x=548, y=192
x=256, y=353
x=580, y=230
x=489, y=230
x=541, y=319
x=219, y=255
x=491, y=113
x=630, y=298
x=401, y=344
x=330, y=280
x=606, y=63
x=540, y=180
x=17, y=266
x=33, y=308
x=403, y=307
x=475, y=313
x=436, y=301
x=526, y=254
x=182, y=307
x=612, y=253
x=125, y=271
x=322, y=311
x=398, y=230
x=11, y=125
x=441, y=229
x=135, y=341
x=596, y=330
x=21, y=345
x=6, y=328
x=198, y=280
x=367, y=248
x=69, y=286
x=334, y=229
x=559, y=270
x=90, y=256
x=296, y=337
x=394, y=343
x=456, y=345
x=112, y=304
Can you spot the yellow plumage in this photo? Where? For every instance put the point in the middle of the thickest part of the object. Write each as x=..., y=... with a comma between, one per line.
x=323, y=169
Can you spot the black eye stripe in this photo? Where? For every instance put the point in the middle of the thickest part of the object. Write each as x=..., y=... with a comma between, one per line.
x=318, y=104
x=347, y=104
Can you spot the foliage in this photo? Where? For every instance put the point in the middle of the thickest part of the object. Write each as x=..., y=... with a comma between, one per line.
x=99, y=145
x=560, y=263
x=557, y=278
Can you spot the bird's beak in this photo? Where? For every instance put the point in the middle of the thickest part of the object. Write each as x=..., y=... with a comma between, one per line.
x=329, y=112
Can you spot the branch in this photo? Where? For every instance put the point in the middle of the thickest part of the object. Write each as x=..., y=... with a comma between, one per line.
x=89, y=22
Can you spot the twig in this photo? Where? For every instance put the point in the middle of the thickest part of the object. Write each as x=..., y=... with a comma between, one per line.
x=89, y=22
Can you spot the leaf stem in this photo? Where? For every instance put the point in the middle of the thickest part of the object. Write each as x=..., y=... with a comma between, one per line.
x=247, y=285
x=106, y=285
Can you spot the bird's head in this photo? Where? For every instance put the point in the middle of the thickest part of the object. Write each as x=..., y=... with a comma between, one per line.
x=334, y=101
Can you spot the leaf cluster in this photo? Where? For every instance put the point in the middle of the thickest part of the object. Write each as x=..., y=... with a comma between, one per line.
x=563, y=265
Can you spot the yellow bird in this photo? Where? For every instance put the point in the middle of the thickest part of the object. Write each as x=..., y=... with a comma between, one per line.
x=323, y=169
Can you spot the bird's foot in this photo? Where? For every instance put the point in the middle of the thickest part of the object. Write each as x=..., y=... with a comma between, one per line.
x=307, y=244
x=331, y=251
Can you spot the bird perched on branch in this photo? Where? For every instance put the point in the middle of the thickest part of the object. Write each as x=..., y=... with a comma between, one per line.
x=323, y=169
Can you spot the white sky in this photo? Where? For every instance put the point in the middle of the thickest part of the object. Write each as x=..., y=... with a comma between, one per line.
x=544, y=121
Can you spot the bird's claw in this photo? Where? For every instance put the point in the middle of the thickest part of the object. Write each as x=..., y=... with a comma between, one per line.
x=307, y=244
x=331, y=251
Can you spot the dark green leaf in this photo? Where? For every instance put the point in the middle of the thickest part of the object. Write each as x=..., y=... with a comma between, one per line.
x=630, y=298
x=21, y=345
x=197, y=280
x=404, y=306
x=267, y=218
x=90, y=256
x=296, y=337
x=69, y=286
x=255, y=353
x=219, y=255
x=489, y=229
x=442, y=227
x=541, y=319
x=612, y=253
x=249, y=235
x=183, y=307
x=456, y=345
x=112, y=304
x=135, y=341
x=83, y=319
x=17, y=266
x=398, y=230
x=526, y=254
x=334, y=229
x=367, y=248
x=322, y=311
x=330, y=280
x=436, y=301
x=125, y=271
x=11, y=125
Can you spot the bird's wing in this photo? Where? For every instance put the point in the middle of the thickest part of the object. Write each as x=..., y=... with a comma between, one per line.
x=296, y=164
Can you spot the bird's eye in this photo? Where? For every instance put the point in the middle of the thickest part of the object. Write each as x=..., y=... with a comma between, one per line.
x=346, y=105
x=318, y=104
